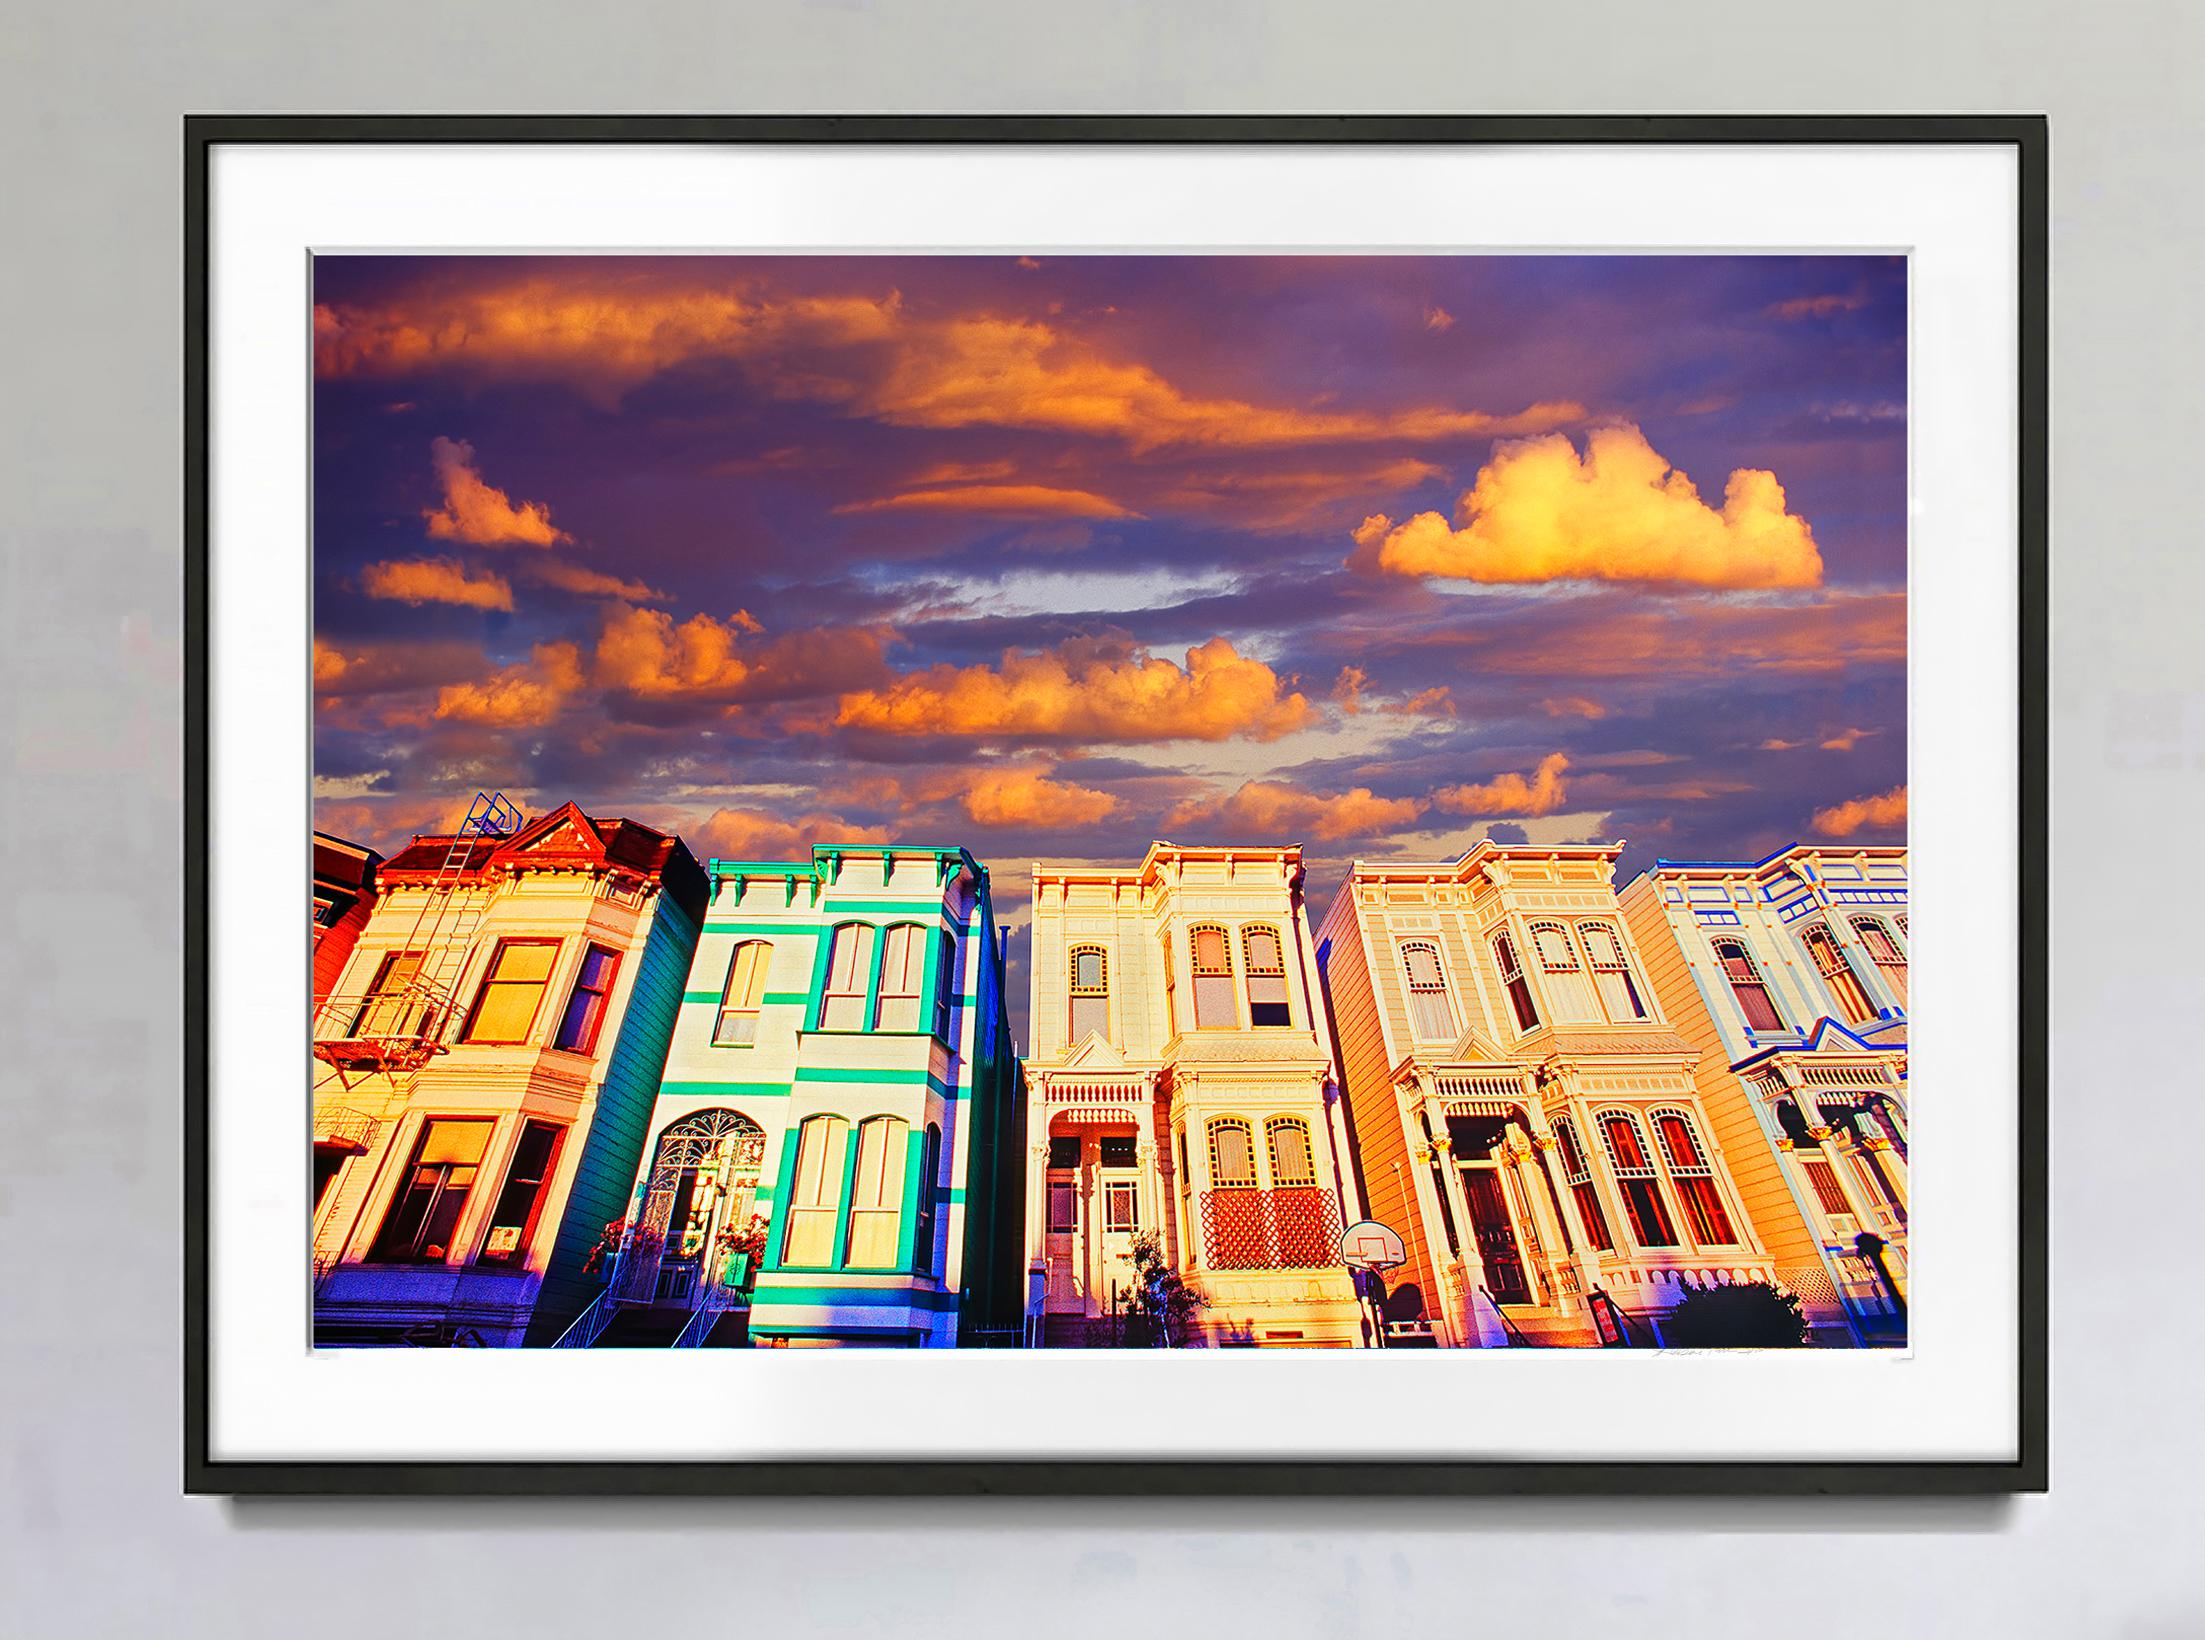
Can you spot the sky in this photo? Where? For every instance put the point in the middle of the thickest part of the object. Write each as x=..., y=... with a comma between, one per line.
x=1051, y=557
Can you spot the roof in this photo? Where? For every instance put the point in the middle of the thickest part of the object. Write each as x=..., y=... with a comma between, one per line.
x=564, y=839
x=345, y=866
x=1788, y=852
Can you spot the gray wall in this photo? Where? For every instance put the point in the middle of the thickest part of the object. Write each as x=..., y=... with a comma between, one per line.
x=94, y=1538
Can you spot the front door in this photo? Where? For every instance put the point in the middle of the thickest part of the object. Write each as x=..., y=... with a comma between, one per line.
x=1504, y=1264
x=1061, y=1244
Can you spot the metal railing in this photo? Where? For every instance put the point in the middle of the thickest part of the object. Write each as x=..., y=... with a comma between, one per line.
x=584, y=1329
x=1515, y=1333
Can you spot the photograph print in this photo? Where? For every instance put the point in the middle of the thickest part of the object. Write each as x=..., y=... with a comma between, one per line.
x=1109, y=802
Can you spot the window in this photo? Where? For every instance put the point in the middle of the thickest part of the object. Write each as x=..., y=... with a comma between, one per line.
x=1431, y=1015
x=1635, y=1176
x=876, y=1193
x=737, y=1026
x=512, y=990
x=810, y=1238
x=388, y=1011
x=945, y=983
x=1569, y=994
x=513, y=1220
x=1064, y=1207
x=1512, y=976
x=849, y=969
x=419, y=1229
x=1121, y=1206
x=931, y=1171
x=1292, y=1161
x=1578, y=1176
x=1611, y=972
x=1064, y=1150
x=1266, y=961
x=1232, y=1155
x=1117, y=1150
x=586, y=1008
x=1837, y=974
x=902, y=977
x=1694, y=1177
x=1827, y=1190
x=1214, y=1007
x=1090, y=993
x=1883, y=951
x=1747, y=986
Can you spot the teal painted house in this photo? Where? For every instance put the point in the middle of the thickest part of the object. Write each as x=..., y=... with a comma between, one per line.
x=834, y=1154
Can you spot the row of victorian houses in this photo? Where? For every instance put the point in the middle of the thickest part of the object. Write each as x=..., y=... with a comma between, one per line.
x=574, y=1088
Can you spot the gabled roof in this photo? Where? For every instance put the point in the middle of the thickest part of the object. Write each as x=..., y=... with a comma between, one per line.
x=564, y=839
x=1828, y=1035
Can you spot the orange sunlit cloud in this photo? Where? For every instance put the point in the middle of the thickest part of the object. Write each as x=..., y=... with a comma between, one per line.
x=754, y=834
x=480, y=513
x=1079, y=691
x=1883, y=812
x=1282, y=498
x=1512, y=794
x=1276, y=809
x=1029, y=797
x=1621, y=513
x=1004, y=500
x=420, y=581
x=1572, y=706
x=520, y=696
x=1846, y=739
x=591, y=583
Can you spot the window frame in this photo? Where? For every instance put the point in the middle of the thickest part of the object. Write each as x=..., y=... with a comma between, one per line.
x=1272, y=1128
x=1695, y=1183
x=1250, y=973
x=1198, y=974
x=1075, y=992
x=489, y=978
x=376, y=994
x=1619, y=965
x=588, y=1045
x=1755, y=979
x=1839, y=978
x=1515, y=981
x=886, y=1203
x=1240, y=1124
x=863, y=967
x=1577, y=1177
x=833, y=1168
x=1412, y=990
x=1646, y=1211
x=540, y=1192
x=379, y=1250
x=915, y=974
x=754, y=1011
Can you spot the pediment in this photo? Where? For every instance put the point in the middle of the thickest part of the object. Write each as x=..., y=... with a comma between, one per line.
x=565, y=832
x=1093, y=1053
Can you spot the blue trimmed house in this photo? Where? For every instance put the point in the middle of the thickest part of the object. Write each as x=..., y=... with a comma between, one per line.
x=1790, y=976
x=834, y=1157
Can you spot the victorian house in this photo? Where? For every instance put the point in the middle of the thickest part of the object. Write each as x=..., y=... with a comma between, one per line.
x=344, y=897
x=1789, y=975
x=485, y=1065
x=1524, y=1112
x=833, y=1149
x=1181, y=1088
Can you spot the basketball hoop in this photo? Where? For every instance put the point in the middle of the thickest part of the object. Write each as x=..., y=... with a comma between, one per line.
x=1372, y=1246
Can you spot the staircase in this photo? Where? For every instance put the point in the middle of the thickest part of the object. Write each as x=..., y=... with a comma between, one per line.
x=660, y=1326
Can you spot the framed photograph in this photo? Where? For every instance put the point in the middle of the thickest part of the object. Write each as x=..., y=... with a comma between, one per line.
x=1102, y=804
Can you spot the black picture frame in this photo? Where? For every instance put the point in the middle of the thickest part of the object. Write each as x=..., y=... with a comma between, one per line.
x=2028, y=1471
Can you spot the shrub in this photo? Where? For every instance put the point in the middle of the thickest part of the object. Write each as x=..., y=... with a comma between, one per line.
x=1751, y=1315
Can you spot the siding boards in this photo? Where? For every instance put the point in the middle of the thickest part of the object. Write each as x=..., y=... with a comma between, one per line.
x=620, y=1120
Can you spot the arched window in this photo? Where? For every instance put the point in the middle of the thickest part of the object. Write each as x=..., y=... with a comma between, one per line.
x=815, y=1194
x=902, y=978
x=1266, y=960
x=1844, y=985
x=1636, y=1176
x=1611, y=972
x=930, y=1165
x=1900, y=919
x=740, y=998
x=1214, y=1006
x=1431, y=1015
x=1292, y=1160
x=1577, y=1174
x=1232, y=1155
x=1694, y=1176
x=1747, y=986
x=876, y=1194
x=704, y=1178
x=1512, y=976
x=1568, y=992
x=849, y=972
x=1883, y=951
x=1090, y=993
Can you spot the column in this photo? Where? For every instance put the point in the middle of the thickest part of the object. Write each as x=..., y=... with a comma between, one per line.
x=1582, y=1253
x=1440, y=1306
x=1484, y=1318
x=1531, y=1179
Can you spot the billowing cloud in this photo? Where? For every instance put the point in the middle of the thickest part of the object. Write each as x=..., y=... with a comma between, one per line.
x=1030, y=798
x=591, y=583
x=645, y=652
x=1581, y=706
x=1886, y=811
x=606, y=333
x=1846, y=739
x=480, y=513
x=520, y=696
x=1541, y=792
x=756, y=834
x=1001, y=500
x=1622, y=513
x=381, y=668
x=1086, y=691
x=1013, y=372
x=1273, y=810
x=420, y=581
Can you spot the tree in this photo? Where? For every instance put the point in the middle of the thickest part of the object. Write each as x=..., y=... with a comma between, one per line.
x=1159, y=1305
x=1749, y=1315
